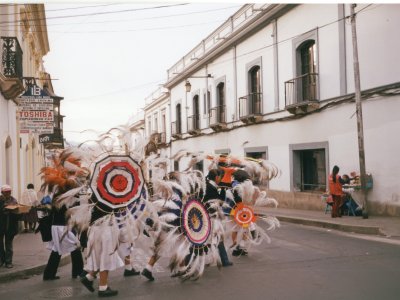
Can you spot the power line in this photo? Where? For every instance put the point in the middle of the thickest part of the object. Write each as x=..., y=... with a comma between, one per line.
x=59, y=9
x=292, y=37
x=137, y=19
x=126, y=30
x=117, y=91
x=227, y=60
x=96, y=13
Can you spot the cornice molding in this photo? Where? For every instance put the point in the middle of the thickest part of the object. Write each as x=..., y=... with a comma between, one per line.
x=254, y=25
x=40, y=27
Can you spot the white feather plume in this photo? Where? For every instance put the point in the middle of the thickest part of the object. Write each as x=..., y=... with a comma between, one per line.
x=68, y=198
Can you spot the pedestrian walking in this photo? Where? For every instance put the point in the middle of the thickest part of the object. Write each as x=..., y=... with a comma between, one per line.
x=29, y=198
x=214, y=193
x=8, y=225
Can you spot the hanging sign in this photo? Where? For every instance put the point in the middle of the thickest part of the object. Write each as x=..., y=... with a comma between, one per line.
x=35, y=111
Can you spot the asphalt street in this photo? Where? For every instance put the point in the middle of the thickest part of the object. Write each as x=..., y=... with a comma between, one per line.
x=300, y=263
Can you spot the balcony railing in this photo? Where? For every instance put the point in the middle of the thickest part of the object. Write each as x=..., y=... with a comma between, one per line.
x=193, y=124
x=250, y=106
x=301, y=89
x=11, y=84
x=176, y=131
x=217, y=115
x=11, y=62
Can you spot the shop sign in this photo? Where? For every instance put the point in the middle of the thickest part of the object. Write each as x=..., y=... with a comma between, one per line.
x=35, y=111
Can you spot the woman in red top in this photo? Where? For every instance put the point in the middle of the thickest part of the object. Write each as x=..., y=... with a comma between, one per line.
x=335, y=188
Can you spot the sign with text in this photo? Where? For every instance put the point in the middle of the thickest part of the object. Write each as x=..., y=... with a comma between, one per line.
x=35, y=111
x=50, y=138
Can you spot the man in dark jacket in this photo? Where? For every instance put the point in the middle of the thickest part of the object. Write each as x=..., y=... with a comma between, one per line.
x=8, y=226
x=212, y=193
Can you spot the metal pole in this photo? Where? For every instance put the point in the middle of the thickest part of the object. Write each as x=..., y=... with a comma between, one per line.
x=360, y=131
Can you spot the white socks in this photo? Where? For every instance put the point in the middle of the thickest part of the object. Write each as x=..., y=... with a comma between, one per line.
x=90, y=277
x=150, y=268
x=102, y=288
x=128, y=267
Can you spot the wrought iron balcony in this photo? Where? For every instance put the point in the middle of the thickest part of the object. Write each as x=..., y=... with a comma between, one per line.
x=250, y=107
x=301, y=93
x=11, y=84
x=217, y=119
x=176, y=131
x=193, y=124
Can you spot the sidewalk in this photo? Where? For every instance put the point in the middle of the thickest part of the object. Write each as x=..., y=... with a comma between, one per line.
x=388, y=227
x=30, y=253
x=30, y=257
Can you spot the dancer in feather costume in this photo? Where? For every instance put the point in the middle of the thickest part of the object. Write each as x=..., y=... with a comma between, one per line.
x=188, y=232
x=120, y=208
x=115, y=215
x=61, y=182
x=244, y=199
x=241, y=205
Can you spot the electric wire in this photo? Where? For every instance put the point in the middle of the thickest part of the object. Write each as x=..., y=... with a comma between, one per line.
x=127, y=30
x=59, y=9
x=134, y=20
x=241, y=55
x=116, y=91
x=227, y=60
x=95, y=13
x=289, y=38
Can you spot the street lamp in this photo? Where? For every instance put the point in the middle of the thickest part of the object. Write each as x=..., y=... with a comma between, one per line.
x=188, y=86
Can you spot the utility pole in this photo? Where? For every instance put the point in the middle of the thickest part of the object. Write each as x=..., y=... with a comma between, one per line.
x=360, y=131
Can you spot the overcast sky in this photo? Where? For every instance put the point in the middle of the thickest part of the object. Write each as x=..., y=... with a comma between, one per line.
x=107, y=63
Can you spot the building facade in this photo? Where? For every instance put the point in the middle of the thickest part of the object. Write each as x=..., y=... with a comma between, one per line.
x=24, y=43
x=276, y=81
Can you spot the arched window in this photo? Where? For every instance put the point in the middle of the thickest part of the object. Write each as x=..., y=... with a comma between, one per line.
x=178, y=119
x=8, y=162
x=307, y=68
x=255, y=90
x=33, y=160
x=221, y=102
x=196, y=112
x=26, y=163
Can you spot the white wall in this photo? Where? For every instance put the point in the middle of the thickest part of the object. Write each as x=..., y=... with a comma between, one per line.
x=378, y=39
x=379, y=45
x=339, y=129
x=299, y=21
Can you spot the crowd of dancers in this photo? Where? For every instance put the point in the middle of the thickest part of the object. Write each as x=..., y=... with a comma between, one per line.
x=101, y=202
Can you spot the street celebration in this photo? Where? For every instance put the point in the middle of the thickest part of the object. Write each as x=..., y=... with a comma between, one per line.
x=192, y=150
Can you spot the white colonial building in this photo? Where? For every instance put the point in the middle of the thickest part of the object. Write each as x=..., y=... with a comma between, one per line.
x=23, y=43
x=276, y=81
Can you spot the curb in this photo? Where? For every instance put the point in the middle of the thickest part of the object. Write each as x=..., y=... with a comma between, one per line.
x=372, y=230
x=33, y=270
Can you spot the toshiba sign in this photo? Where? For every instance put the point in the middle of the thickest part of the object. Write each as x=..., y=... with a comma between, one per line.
x=35, y=111
x=36, y=114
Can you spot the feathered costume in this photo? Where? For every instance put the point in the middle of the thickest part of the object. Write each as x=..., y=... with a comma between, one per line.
x=118, y=207
x=190, y=232
x=168, y=208
x=244, y=200
x=61, y=182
